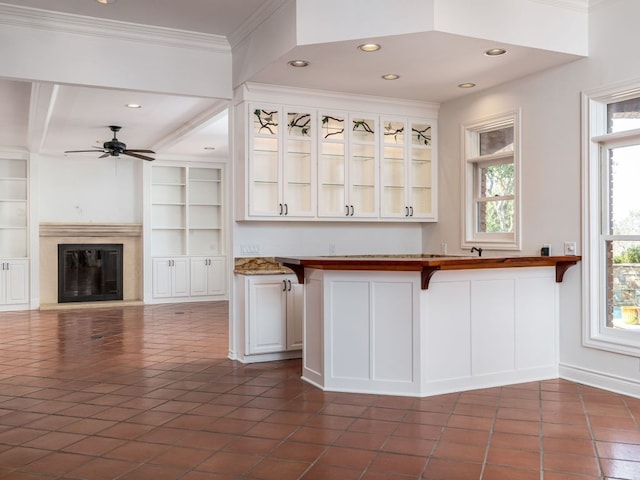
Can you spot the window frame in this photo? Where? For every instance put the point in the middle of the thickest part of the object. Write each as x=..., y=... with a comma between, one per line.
x=472, y=162
x=595, y=187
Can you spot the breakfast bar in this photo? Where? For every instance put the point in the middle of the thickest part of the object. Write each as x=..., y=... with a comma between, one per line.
x=419, y=325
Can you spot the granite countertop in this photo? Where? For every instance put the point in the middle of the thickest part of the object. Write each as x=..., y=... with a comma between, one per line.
x=259, y=266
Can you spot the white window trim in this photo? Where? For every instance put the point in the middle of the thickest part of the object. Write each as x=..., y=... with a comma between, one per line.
x=596, y=334
x=469, y=131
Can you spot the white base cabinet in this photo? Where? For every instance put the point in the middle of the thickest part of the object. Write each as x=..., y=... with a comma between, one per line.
x=379, y=332
x=14, y=283
x=208, y=276
x=171, y=277
x=273, y=312
x=189, y=279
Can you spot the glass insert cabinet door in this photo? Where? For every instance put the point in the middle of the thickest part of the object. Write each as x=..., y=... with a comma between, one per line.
x=281, y=162
x=347, y=166
x=406, y=169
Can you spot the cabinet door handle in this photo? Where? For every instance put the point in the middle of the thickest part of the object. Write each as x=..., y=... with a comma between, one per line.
x=411, y=211
x=352, y=210
x=284, y=285
x=289, y=283
x=346, y=210
x=281, y=210
x=286, y=209
x=406, y=211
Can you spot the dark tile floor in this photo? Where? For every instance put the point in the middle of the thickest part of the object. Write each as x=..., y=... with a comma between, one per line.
x=140, y=393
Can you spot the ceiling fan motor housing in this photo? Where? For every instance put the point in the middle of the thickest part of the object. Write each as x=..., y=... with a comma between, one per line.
x=115, y=147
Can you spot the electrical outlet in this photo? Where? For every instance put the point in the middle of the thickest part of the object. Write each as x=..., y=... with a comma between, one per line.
x=569, y=248
x=249, y=249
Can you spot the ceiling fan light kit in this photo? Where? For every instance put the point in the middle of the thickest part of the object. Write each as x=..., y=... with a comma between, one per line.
x=115, y=148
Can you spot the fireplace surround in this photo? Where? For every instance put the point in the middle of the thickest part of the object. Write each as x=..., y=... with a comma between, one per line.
x=54, y=234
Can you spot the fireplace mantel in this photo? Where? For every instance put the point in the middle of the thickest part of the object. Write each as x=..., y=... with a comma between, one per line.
x=90, y=229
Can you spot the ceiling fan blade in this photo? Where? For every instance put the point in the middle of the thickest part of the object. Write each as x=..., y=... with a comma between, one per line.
x=137, y=155
x=104, y=155
x=84, y=151
x=140, y=151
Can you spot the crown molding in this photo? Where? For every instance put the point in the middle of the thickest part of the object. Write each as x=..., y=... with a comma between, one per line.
x=315, y=98
x=82, y=25
x=268, y=8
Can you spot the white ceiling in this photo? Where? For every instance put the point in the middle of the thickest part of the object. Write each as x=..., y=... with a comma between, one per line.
x=431, y=66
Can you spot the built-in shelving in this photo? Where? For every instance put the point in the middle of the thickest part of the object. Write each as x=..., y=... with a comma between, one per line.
x=13, y=208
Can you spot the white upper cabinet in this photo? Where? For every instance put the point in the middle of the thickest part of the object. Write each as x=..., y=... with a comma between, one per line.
x=334, y=158
x=407, y=170
x=282, y=159
x=347, y=166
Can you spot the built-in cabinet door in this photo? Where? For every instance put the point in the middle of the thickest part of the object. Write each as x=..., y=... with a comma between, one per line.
x=267, y=310
x=264, y=161
x=274, y=313
x=14, y=281
x=421, y=192
x=170, y=277
x=363, y=166
x=207, y=276
x=295, y=315
x=298, y=174
x=281, y=163
x=347, y=166
x=406, y=176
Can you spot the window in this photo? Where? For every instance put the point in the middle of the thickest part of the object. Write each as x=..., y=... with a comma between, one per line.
x=611, y=253
x=491, y=179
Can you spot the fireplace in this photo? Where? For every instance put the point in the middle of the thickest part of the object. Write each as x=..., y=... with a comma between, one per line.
x=89, y=272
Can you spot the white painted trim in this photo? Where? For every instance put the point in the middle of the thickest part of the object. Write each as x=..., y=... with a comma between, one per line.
x=266, y=10
x=595, y=334
x=83, y=25
x=606, y=381
x=342, y=101
x=470, y=237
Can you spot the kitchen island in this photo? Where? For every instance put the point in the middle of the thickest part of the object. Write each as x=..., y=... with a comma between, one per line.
x=420, y=325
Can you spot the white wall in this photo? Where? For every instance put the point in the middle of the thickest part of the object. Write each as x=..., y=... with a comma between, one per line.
x=89, y=190
x=309, y=239
x=551, y=170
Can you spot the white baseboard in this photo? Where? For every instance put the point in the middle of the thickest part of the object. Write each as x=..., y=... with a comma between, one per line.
x=606, y=381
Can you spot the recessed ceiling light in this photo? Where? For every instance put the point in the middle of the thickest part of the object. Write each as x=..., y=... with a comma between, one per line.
x=106, y=2
x=209, y=148
x=369, y=47
x=133, y=105
x=391, y=76
x=495, y=52
x=299, y=63
x=466, y=85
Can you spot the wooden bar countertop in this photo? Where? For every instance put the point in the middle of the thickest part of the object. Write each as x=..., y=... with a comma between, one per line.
x=426, y=264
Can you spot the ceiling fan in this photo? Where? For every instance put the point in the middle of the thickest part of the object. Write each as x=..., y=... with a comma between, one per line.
x=115, y=148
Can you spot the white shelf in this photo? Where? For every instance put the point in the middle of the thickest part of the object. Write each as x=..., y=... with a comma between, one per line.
x=186, y=210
